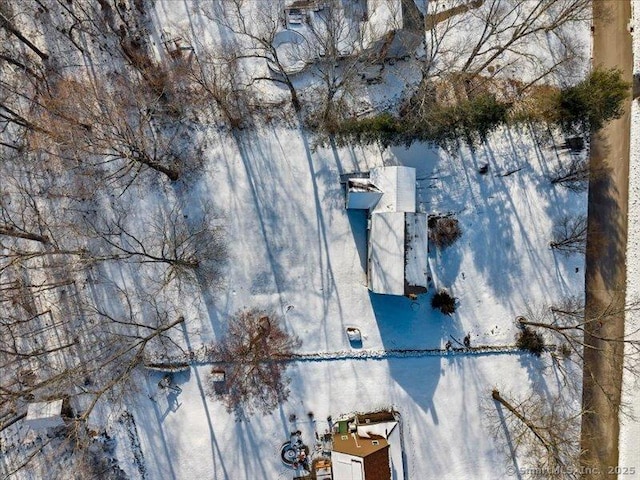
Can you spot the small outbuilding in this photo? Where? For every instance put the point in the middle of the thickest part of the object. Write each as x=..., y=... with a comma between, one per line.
x=42, y=415
x=358, y=458
x=296, y=12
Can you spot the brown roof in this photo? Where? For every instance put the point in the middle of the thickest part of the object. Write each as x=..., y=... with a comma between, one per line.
x=376, y=466
x=375, y=417
x=352, y=444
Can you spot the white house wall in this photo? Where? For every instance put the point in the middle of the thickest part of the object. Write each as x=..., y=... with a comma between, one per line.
x=362, y=200
x=346, y=467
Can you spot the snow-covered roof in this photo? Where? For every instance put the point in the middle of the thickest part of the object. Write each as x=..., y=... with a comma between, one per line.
x=416, y=253
x=398, y=185
x=362, y=193
x=44, y=414
x=398, y=253
x=382, y=429
x=386, y=253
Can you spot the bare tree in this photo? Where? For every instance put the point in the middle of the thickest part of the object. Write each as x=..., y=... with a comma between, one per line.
x=58, y=342
x=258, y=24
x=509, y=27
x=31, y=238
x=7, y=24
x=576, y=333
x=482, y=41
x=338, y=43
x=183, y=247
x=116, y=124
x=543, y=432
x=570, y=234
x=253, y=352
x=79, y=343
x=214, y=75
x=573, y=175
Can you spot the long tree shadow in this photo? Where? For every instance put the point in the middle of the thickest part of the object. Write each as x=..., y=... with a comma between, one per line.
x=607, y=227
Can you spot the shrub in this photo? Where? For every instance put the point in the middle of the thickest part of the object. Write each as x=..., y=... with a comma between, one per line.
x=471, y=119
x=593, y=102
x=382, y=128
x=444, y=302
x=530, y=341
x=444, y=231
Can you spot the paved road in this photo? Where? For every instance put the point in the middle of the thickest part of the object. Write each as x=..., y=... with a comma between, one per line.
x=606, y=248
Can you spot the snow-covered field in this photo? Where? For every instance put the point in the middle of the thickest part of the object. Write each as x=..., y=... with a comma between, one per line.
x=296, y=250
x=445, y=405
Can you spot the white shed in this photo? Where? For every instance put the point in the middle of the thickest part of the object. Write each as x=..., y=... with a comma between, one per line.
x=41, y=415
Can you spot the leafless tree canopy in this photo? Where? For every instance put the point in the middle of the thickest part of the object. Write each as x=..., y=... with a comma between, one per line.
x=573, y=175
x=253, y=353
x=543, y=434
x=570, y=234
x=573, y=332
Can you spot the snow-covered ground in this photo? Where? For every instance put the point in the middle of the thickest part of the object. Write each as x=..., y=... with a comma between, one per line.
x=630, y=416
x=445, y=404
x=296, y=250
x=294, y=245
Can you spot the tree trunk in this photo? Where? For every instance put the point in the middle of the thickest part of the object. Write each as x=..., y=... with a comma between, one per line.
x=20, y=65
x=6, y=24
x=172, y=173
x=495, y=394
x=12, y=232
x=15, y=419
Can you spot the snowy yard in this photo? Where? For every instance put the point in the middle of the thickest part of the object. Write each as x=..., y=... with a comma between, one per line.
x=296, y=250
x=448, y=418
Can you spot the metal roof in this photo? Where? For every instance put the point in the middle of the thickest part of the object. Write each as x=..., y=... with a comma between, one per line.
x=386, y=253
x=398, y=185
